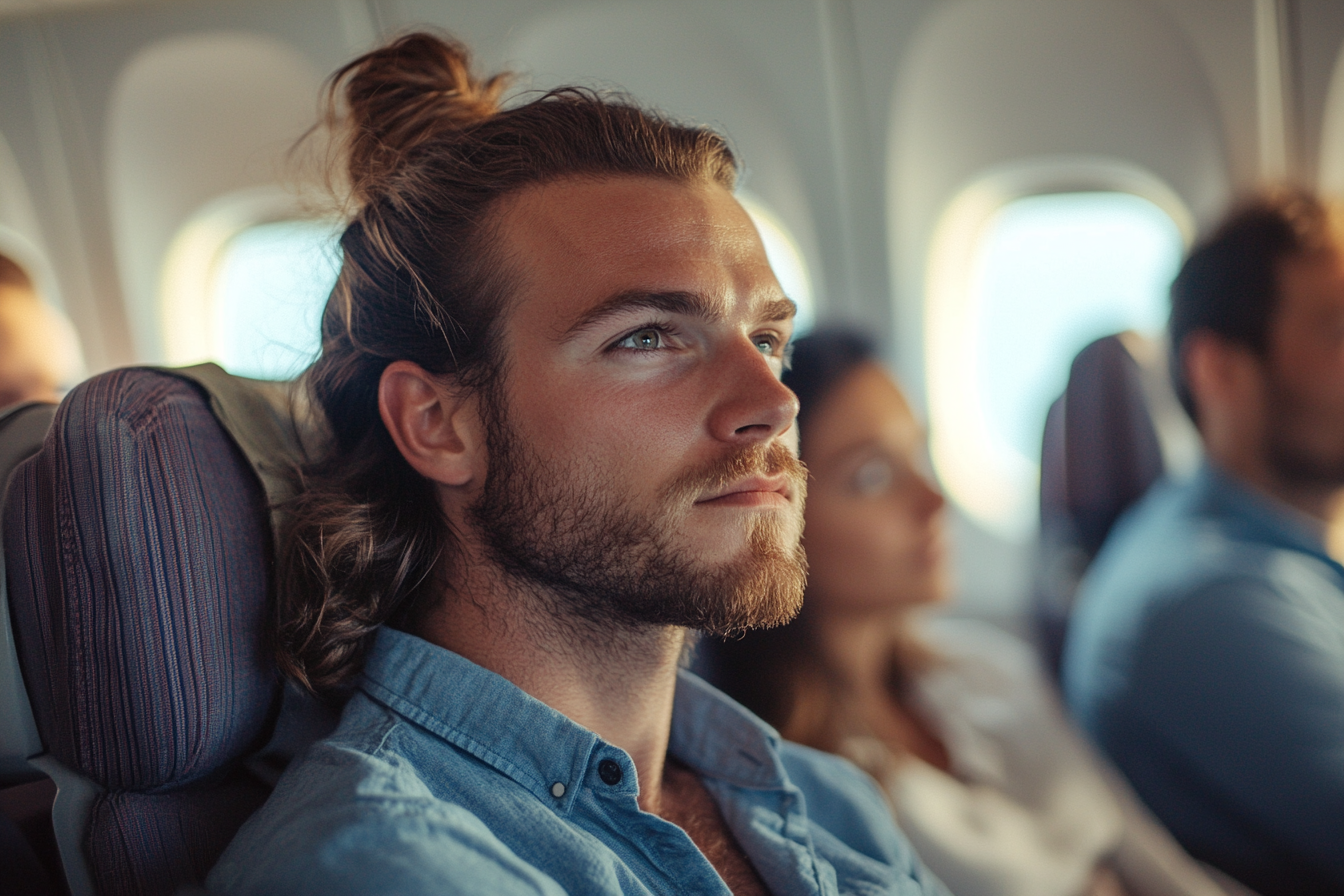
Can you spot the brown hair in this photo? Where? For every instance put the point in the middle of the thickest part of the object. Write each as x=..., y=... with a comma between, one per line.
x=1229, y=285
x=429, y=154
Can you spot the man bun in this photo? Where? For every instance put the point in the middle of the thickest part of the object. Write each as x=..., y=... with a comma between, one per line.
x=401, y=96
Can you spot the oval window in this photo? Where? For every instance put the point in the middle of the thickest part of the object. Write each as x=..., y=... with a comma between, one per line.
x=1048, y=274
x=270, y=285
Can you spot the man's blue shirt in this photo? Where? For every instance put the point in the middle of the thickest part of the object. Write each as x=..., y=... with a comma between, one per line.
x=1206, y=657
x=444, y=777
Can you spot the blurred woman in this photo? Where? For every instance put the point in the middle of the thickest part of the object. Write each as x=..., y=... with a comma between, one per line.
x=953, y=718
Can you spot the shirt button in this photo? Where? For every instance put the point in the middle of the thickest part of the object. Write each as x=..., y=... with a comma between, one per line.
x=557, y=790
x=609, y=771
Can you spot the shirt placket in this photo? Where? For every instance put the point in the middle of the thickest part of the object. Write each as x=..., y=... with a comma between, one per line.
x=661, y=855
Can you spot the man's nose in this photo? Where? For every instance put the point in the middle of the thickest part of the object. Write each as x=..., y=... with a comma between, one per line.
x=753, y=405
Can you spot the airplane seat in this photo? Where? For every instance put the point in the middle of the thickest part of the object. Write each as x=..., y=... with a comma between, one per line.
x=1114, y=432
x=27, y=850
x=138, y=553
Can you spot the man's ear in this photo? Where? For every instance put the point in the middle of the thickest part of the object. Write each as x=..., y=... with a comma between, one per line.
x=1221, y=374
x=1227, y=381
x=436, y=427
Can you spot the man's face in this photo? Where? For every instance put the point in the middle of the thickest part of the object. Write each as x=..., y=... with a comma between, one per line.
x=643, y=464
x=1304, y=378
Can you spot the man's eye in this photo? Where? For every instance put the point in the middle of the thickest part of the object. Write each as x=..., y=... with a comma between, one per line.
x=647, y=339
x=766, y=344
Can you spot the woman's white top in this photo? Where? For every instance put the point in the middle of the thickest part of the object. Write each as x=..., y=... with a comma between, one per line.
x=1029, y=809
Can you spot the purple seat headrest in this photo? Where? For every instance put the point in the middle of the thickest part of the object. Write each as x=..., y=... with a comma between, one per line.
x=137, y=547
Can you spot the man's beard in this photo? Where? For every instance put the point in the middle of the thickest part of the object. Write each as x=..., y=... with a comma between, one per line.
x=1293, y=427
x=598, y=561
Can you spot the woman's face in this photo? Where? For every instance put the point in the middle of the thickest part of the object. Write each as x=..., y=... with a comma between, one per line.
x=874, y=521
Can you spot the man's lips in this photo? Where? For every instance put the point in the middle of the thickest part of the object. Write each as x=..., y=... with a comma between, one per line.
x=755, y=491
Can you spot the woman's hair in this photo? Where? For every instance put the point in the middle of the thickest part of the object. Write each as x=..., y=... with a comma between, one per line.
x=819, y=362
x=429, y=152
x=779, y=673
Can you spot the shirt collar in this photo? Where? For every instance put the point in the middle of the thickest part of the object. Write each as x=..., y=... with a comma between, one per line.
x=1256, y=516
x=494, y=720
x=480, y=712
x=721, y=739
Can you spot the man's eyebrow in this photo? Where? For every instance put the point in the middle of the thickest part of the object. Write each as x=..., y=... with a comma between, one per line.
x=688, y=303
x=669, y=302
x=779, y=309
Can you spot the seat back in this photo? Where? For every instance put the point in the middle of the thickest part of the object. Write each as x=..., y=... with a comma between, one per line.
x=138, y=550
x=25, y=853
x=1115, y=431
x=22, y=428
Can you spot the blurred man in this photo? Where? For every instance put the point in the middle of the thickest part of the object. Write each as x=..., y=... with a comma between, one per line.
x=39, y=352
x=1206, y=655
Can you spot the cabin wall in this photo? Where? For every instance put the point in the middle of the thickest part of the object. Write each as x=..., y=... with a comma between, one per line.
x=859, y=122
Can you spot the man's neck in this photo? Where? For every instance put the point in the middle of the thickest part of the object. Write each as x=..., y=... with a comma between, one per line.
x=618, y=683
x=1321, y=503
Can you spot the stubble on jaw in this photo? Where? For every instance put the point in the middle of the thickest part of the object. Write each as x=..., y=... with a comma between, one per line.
x=1290, y=431
x=570, y=543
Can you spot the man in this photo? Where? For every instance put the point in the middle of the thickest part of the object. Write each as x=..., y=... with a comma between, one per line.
x=559, y=441
x=1206, y=655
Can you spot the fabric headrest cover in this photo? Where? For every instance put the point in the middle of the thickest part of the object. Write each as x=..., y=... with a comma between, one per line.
x=137, y=546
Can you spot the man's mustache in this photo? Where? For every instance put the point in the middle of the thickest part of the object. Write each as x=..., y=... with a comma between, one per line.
x=759, y=460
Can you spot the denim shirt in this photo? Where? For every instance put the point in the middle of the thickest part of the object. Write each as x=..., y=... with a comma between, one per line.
x=444, y=777
x=1206, y=657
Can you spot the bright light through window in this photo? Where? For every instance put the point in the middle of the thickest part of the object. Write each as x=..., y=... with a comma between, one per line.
x=271, y=285
x=1047, y=275
x=786, y=259
x=1054, y=273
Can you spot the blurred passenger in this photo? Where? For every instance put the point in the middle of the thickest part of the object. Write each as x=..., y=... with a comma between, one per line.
x=39, y=351
x=1206, y=654
x=954, y=718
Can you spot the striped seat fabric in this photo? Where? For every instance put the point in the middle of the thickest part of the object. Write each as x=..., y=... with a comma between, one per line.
x=137, y=546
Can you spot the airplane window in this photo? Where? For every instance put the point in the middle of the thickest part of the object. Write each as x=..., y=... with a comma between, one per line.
x=270, y=286
x=786, y=259
x=1049, y=273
